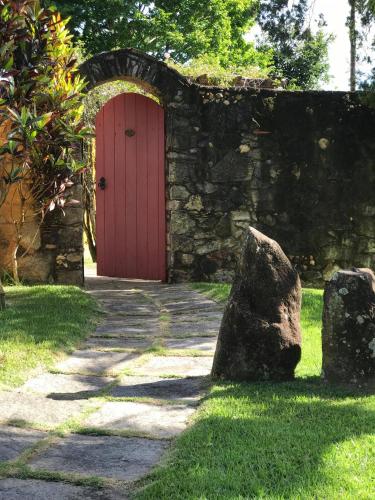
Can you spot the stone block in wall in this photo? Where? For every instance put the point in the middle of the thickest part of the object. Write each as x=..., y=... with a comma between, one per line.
x=181, y=223
x=330, y=269
x=69, y=277
x=72, y=216
x=223, y=227
x=366, y=227
x=37, y=268
x=194, y=203
x=233, y=167
x=182, y=142
x=31, y=237
x=178, y=193
x=207, y=247
x=182, y=172
x=69, y=237
x=348, y=337
x=182, y=243
x=241, y=216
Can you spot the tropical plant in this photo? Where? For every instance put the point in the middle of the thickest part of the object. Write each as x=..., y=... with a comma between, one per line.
x=40, y=109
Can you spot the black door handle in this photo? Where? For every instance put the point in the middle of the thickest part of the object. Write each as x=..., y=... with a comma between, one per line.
x=102, y=183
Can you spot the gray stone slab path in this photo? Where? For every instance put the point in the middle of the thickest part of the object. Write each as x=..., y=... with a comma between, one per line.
x=34, y=489
x=118, y=400
x=14, y=441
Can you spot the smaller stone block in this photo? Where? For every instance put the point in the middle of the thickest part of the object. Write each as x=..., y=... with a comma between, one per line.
x=349, y=327
x=70, y=277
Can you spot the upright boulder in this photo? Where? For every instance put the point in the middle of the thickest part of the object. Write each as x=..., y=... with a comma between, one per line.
x=260, y=337
x=349, y=327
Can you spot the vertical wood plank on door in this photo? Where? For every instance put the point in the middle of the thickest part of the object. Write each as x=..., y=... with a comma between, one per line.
x=110, y=176
x=131, y=190
x=161, y=193
x=152, y=192
x=119, y=186
x=100, y=205
x=142, y=139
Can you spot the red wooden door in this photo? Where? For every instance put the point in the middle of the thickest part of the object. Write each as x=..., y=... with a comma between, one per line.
x=130, y=210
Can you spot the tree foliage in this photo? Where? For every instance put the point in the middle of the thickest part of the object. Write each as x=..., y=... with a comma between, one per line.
x=360, y=23
x=300, y=55
x=184, y=28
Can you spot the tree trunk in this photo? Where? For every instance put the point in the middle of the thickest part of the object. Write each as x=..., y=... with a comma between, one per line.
x=353, y=44
x=89, y=201
x=16, y=278
x=2, y=297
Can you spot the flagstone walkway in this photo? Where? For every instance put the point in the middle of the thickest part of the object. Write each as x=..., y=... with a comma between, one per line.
x=104, y=417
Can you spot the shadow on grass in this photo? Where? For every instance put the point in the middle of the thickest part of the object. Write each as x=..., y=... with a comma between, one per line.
x=291, y=440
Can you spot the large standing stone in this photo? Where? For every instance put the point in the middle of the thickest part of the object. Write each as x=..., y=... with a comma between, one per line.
x=349, y=327
x=260, y=335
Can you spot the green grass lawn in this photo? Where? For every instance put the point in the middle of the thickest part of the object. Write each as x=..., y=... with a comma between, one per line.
x=39, y=324
x=295, y=440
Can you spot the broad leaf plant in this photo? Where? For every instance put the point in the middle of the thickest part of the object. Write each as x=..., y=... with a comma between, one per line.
x=40, y=111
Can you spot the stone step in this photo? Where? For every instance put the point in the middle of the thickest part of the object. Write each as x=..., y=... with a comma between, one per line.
x=157, y=421
x=89, y=361
x=37, y=409
x=119, y=342
x=13, y=441
x=198, y=343
x=189, y=389
x=185, y=366
x=61, y=386
x=35, y=489
x=104, y=456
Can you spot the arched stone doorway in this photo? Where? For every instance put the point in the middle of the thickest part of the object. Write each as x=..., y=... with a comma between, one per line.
x=173, y=92
x=133, y=65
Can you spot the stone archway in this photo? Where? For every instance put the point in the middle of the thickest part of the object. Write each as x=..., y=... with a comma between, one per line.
x=175, y=94
x=133, y=65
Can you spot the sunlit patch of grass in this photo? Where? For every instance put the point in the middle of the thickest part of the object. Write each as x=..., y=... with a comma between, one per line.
x=215, y=291
x=39, y=324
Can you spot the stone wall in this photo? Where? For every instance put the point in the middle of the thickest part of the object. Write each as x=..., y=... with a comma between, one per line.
x=298, y=166
x=51, y=252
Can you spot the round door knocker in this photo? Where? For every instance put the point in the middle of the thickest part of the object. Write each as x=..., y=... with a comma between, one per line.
x=130, y=132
